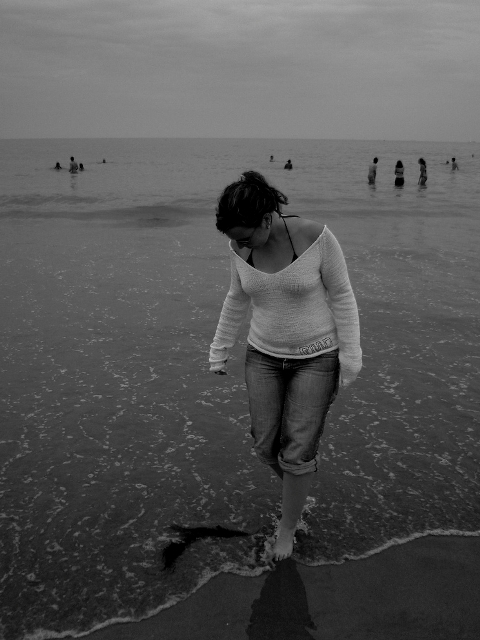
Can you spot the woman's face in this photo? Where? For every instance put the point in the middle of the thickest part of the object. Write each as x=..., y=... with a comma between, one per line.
x=250, y=237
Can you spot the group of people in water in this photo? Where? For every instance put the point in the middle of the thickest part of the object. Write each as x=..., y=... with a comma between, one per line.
x=74, y=167
x=399, y=170
x=288, y=164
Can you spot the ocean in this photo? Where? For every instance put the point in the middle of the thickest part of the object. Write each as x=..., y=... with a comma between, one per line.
x=113, y=433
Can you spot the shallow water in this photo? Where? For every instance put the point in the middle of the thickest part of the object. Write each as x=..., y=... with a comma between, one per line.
x=328, y=175
x=112, y=427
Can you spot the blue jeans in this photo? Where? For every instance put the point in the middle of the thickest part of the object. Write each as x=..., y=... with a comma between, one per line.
x=289, y=401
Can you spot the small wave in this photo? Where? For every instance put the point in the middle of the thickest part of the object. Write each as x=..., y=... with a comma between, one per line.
x=107, y=211
x=229, y=567
x=207, y=575
x=393, y=542
x=39, y=200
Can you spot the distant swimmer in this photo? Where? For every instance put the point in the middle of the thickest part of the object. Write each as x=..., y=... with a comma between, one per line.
x=103, y=161
x=447, y=162
x=73, y=165
x=57, y=166
x=399, y=180
x=80, y=166
x=372, y=171
x=423, y=172
x=271, y=159
x=288, y=165
x=454, y=165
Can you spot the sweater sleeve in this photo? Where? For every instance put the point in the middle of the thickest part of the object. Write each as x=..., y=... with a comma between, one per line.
x=344, y=307
x=233, y=313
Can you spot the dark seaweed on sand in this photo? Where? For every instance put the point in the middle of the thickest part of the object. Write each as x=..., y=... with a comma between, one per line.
x=188, y=535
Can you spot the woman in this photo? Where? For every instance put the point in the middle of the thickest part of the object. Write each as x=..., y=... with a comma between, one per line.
x=423, y=172
x=399, y=180
x=292, y=273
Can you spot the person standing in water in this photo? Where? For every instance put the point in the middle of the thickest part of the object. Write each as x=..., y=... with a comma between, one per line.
x=423, y=172
x=399, y=179
x=73, y=165
x=372, y=171
x=288, y=165
x=304, y=337
x=454, y=165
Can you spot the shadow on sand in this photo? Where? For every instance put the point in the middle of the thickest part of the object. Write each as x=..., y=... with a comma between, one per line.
x=281, y=611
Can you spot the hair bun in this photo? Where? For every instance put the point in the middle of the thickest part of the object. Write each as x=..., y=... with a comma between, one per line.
x=252, y=177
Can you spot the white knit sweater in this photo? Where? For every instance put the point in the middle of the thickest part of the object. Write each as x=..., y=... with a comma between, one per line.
x=303, y=310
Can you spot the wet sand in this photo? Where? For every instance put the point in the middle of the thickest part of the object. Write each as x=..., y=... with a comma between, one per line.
x=427, y=588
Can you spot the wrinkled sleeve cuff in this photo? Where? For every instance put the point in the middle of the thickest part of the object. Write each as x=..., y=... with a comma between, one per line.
x=349, y=369
x=218, y=359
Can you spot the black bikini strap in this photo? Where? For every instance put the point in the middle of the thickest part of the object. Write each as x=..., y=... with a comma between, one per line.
x=294, y=257
x=288, y=232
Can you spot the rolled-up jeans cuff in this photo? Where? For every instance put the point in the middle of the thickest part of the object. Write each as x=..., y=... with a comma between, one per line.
x=299, y=469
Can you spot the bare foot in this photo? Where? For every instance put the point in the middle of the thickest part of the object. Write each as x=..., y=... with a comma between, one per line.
x=283, y=546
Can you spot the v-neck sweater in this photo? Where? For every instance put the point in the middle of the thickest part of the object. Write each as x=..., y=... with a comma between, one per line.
x=301, y=311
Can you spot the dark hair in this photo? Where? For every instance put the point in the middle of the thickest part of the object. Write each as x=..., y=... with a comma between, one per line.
x=375, y=159
x=399, y=163
x=422, y=161
x=244, y=203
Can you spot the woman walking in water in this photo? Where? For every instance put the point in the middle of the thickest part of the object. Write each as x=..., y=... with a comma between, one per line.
x=399, y=180
x=304, y=337
x=423, y=172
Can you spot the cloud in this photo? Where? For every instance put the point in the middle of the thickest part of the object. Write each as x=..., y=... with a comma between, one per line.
x=219, y=52
x=222, y=32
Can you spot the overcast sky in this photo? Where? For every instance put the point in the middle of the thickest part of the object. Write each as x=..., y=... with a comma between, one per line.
x=362, y=69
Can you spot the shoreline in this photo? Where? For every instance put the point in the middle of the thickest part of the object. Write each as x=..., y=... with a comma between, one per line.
x=420, y=590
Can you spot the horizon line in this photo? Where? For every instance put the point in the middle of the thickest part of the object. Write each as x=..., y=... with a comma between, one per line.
x=233, y=138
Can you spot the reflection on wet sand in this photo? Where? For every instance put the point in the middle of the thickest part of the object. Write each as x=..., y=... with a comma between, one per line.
x=188, y=535
x=281, y=611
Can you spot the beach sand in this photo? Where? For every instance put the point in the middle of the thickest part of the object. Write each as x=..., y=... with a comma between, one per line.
x=425, y=589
